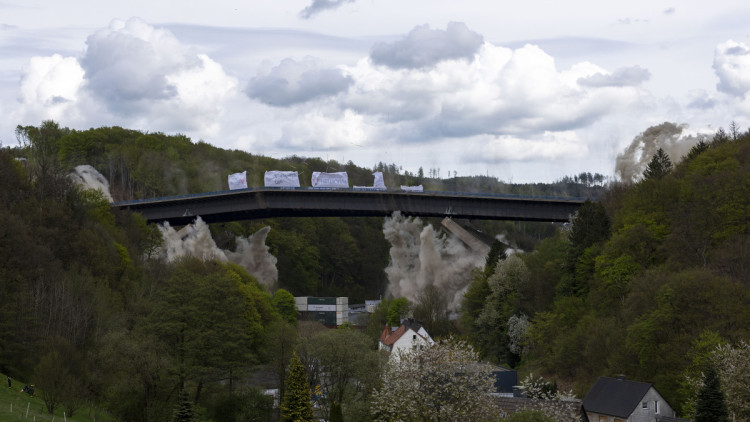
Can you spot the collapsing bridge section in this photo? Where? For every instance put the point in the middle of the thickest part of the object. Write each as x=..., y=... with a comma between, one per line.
x=257, y=203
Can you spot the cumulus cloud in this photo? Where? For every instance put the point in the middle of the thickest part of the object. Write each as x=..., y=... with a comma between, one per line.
x=50, y=86
x=425, y=47
x=732, y=66
x=131, y=73
x=514, y=93
x=293, y=82
x=324, y=129
x=628, y=76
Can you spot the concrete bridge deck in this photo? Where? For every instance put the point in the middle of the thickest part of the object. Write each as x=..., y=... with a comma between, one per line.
x=257, y=203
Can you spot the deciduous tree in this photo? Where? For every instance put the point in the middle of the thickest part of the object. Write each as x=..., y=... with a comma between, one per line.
x=444, y=382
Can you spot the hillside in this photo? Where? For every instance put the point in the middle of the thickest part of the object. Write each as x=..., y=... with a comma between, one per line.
x=646, y=283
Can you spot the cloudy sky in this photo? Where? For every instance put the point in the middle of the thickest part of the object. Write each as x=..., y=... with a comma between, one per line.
x=525, y=91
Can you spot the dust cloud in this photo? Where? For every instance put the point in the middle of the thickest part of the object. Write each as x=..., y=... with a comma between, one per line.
x=632, y=162
x=421, y=257
x=88, y=177
x=195, y=240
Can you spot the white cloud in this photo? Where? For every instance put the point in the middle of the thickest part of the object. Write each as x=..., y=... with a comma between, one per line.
x=732, y=66
x=502, y=92
x=131, y=74
x=324, y=130
x=293, y=82
x=549, y=146
x=50, y=87
x=628, y=76
x=425, y=47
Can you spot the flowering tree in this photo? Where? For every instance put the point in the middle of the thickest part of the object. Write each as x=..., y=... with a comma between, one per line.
x=733, y=365
x=547, y=399
x=444, y=382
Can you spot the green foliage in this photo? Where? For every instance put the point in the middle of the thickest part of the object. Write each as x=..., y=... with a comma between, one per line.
x=659, y=166
x=248, y=405
x=337, y=415
x=348, y=363
x=397, y=310
x=504, y=301
x=296, y=405
x=711, y=406
x=285, y=305
x=184, y=410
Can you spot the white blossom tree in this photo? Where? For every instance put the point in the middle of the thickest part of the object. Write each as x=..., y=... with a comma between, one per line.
x=733, y=365
x=443, y=382
x=545, y=397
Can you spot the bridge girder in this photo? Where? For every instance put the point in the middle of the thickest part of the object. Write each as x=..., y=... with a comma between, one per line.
x=258, y=203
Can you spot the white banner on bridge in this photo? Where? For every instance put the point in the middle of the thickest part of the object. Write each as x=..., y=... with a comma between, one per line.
x=281, y=179
x=238, y=180
x=378, y=184
x=412, y=188
x=330, y=180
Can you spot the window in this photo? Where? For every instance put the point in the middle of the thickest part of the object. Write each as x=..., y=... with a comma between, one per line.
x=644, y=405
x=656, y=406
x=414, y=337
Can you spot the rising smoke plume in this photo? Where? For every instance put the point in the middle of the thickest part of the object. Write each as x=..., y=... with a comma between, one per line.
x=195, y=240
x=420, y=257
x=632, y=162
x=88, y=177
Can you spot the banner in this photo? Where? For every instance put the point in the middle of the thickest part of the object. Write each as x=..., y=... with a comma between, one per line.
x=412, y=188
x=238, y=180
x=378, y=183
x=330, y=180
x=281, y=179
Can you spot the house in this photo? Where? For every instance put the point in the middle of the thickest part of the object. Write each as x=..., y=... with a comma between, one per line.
x=620, y=400
x=410, y=335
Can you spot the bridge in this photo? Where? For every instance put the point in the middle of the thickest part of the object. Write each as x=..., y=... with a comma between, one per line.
x=258, y=203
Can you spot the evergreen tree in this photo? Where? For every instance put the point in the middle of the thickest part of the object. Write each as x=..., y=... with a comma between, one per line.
x=184, y=411
x=711, y=406
x=295, y=405
x=659, y=166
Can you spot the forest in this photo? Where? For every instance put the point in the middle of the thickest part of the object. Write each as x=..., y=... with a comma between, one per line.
x=649, y=280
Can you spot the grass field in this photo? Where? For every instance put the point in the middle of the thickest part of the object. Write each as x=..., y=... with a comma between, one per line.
x=16, y=406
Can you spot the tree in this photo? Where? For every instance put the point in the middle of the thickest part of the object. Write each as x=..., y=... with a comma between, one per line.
x=432, y=310
x=398, y=309
x=349, y=363
x=184, y=410
x=503, y=301
x=443, y=382
x=296, y=405
x=284, y=303
x=697, y=149
x=659, y=166
x=711, y=406
x=732, y=362
x=281, y=339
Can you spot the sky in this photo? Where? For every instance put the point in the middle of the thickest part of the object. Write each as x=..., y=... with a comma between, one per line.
x=523, y=91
